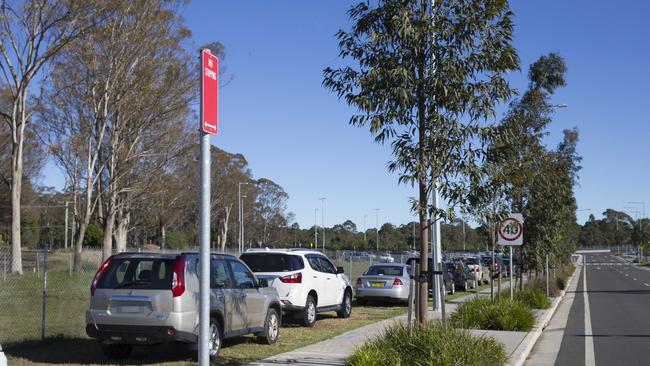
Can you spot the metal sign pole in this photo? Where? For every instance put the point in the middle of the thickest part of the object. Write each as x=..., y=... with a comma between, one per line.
x=204, y=243
x=511, y=283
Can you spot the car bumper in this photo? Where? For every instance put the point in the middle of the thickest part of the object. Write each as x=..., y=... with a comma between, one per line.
x=396, y=293
x=137, y=334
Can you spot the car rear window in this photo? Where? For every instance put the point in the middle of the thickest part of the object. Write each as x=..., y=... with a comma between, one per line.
x=470, y=260
x=138, y=273
x=266, y=262
x=384, y=270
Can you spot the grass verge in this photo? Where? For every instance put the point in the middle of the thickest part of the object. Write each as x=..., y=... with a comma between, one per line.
x=80, y=350
x=430, y=345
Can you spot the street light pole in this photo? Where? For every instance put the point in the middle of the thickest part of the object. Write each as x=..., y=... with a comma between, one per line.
x=642, y=204
x=316, y=228
x=240, y=237
x=243, y=240
x=377, y=227
x=322, y=200
x=364, y=226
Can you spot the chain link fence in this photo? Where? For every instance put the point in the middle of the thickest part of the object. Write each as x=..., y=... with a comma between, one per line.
x=50, y=299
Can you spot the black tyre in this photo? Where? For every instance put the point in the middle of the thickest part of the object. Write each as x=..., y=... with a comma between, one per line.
x=346, y=306
x=214, y=347
x=309, y=313
x=117, y=351
x=271, y=328
x=466, y=286
x=452, y=289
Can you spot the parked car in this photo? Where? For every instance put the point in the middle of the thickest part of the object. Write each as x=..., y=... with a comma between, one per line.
x=306, y=280
x=384, y=282
x=447, y=277
x=386, y=258
x=481, y=272
x=461, y=274
x=496, y=270
x=150, y=298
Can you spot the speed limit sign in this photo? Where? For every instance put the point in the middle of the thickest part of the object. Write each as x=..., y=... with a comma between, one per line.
x=511, y=230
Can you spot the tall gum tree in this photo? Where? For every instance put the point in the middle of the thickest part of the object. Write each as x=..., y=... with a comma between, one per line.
x=32, y=33
x=424, y=78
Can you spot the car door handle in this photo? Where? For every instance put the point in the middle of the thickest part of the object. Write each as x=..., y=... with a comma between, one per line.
x=315, y=276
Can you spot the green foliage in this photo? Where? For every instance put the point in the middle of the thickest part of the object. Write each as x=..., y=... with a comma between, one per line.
x=534, y=298
x=29, y=230
x=483, y=313
x=177, y=239
x=94, y=235
x=430, y=345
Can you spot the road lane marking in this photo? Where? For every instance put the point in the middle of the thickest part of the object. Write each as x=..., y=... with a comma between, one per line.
x=646, y=284
x=634, y=279
x=590, y=357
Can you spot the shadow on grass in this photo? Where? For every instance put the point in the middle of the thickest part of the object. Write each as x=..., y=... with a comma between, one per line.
x=64, y=350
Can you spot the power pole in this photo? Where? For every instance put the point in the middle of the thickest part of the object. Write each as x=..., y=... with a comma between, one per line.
x=322, y=200
x=377, y=228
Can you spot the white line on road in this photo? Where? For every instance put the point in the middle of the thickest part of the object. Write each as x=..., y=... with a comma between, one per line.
x=590, y=357
x=634, y=279
x=646, y=284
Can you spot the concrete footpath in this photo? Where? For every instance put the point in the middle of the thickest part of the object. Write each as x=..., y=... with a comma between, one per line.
x=546, y=349
x=334, y=351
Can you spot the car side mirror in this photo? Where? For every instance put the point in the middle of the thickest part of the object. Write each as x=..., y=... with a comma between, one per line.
x=340, y=270
x=263, y=282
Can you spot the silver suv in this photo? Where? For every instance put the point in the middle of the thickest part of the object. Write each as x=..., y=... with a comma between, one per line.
x=149, y=298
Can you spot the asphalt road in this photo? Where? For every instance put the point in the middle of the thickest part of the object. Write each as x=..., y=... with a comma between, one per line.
x=617, y=332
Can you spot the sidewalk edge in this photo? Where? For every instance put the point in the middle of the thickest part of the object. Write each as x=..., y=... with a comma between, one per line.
x=531, y=338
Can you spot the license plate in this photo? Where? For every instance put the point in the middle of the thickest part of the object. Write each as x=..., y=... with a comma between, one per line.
x=130, y=309
x=378, y=284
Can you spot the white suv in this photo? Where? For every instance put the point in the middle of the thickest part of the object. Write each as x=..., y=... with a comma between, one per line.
x=306, y=280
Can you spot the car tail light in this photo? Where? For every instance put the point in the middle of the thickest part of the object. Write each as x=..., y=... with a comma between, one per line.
x=171, y=331
x=397, y=282
x=477, y=269
x=359, y=281
x=98, y=275
x=293, y=278
x=178, y=279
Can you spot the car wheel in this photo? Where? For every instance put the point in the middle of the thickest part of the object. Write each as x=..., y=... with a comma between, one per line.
x=214, y=346
x=271, y=328
x=346, y=306
x=309, y=314
x=117, y=351
x=452, y=289
x=465, y=286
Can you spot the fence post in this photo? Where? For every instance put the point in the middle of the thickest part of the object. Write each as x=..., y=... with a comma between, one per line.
x=45, y=247
x=38, y=267
x=4, y=271
x=350, y=267
x=411, y=293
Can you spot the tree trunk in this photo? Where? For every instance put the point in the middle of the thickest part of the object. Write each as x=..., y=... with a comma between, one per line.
x=78, y=246
x=163, y=236
x=224, y=228
x=16, y=186
x=122, y=229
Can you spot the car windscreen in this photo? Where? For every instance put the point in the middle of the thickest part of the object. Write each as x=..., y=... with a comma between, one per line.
x=471, y=261
x=138, y=273
x=266, y=262
x=384, y=271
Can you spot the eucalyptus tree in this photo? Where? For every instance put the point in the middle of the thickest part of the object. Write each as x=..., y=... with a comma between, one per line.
x=32, y=33
x=424, y=79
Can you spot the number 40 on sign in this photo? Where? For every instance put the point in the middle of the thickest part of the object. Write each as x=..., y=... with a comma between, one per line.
x=511, y=230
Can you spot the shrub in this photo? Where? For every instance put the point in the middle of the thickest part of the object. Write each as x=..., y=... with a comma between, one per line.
x=428, y=345
x=534, y=298
x=540, y=283
x=483, y=313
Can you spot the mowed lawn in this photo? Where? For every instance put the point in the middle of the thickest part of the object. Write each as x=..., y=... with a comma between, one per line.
x=66, y=343
x=80, y=350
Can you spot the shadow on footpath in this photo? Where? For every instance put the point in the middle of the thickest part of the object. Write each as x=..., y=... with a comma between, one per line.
x=62, y=350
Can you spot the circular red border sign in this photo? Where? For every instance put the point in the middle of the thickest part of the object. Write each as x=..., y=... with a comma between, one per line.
x=521, y=229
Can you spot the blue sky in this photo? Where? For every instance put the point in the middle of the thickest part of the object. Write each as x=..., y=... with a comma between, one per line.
x=295, y=132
